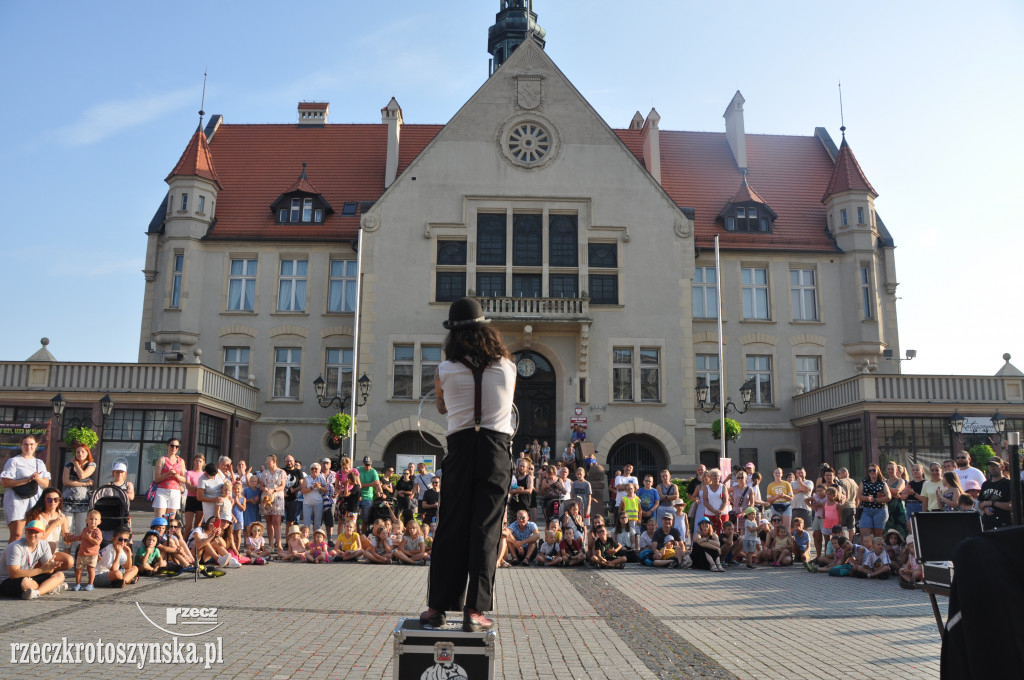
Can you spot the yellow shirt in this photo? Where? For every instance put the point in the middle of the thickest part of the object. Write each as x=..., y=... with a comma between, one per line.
x=778, y=488
x=350, y=542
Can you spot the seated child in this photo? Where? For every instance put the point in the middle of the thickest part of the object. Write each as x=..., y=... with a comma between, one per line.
x=911, y=572
x=349, y=544
x=894, y=547
x=209, y=546
x=255, y=546
x=91, y=538
x=874, y=563
x=115, y=561
x=572, y=551
x=317, y=552
x=730, y=544
x=296, y=550
x=377, y=548
x=966, y=503
x=549, y=555
x=801, y=541
x=147, y=555
x=606, y=551
x=172, y=545
x=780, y=553
x=413, y=548
x=834, y=554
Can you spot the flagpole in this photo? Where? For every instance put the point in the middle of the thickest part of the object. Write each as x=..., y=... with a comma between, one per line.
x=721, y=353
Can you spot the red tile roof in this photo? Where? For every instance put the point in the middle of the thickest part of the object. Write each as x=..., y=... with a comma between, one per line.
x=196, y=161
x=313, y=105
x=256, y=163
x=746, y=195
x=847, y=175
x=303, y=184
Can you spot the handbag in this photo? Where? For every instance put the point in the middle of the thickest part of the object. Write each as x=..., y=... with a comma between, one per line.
x=151, y=494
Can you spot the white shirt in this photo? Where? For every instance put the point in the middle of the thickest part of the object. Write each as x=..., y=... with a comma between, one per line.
x=107, y=558
x=212, y=487
x=622, y=479
x=801, y=490
x=970, y=473
x=498, y=387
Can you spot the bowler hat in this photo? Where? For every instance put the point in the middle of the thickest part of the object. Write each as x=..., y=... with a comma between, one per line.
x=465, y=313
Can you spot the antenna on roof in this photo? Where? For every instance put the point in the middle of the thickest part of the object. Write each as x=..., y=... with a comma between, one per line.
x=842, y=123
x=303, y=170
x=202, y=104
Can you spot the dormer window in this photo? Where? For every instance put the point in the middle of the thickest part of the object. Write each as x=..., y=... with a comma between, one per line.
x=302, y=202
x=747, y=212
x=748, y=218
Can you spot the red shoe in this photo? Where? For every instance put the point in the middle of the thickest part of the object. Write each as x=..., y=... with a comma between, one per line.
x=474, y=621
x=433, y=618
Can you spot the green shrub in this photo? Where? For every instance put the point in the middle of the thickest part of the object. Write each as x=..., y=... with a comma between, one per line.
x=732, y=429
x=341, y=425
x=980, y=455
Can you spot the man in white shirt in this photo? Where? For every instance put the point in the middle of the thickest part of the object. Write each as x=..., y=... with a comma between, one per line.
x=627, y=477
x=422, y=480
x=30, y=570
x=802, y=490
x=967, y=473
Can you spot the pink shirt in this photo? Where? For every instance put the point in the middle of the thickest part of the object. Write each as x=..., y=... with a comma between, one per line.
x=171, y=483
x=193, y=477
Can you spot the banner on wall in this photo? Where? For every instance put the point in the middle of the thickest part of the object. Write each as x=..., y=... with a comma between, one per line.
x=11, y=434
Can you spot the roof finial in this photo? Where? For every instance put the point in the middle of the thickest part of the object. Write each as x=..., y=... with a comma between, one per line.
x=842, y=122
x=303, y=175
x=202, y=104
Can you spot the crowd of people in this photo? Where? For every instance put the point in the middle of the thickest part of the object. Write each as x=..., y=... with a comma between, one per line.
x=222, y=515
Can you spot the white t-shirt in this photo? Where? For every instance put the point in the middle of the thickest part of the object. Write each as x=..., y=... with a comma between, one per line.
x=107, y=558
x=497, y=387
x=212, y=487
x=20, y=467
x=970, y=473
x=801, y=492
x=872, y=561
x=622, y=479
x=18, y=555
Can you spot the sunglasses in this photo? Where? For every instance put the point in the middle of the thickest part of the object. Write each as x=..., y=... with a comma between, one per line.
x=174, y=526
x=53, y=499
x=174, y=446
x=122, y=540
x=776, y=520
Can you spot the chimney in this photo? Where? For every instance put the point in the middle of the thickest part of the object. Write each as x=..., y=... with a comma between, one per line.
x=652, y=145
x=734, y=130
x=391, y=115
x=637, y=123
x=313, y=114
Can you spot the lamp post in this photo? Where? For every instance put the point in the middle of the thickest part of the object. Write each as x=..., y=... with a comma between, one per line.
x=958, y=424
x=342, y=402
x=746, y=394
x=59, y=404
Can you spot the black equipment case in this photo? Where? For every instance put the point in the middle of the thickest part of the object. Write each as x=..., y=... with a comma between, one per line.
x=423, y=653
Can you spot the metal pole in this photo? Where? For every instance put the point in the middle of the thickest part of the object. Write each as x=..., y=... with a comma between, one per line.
x=721, y=354
x=1013, y=442
x=354, y=391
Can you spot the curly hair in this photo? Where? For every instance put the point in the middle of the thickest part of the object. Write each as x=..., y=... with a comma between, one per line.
x=480, y=344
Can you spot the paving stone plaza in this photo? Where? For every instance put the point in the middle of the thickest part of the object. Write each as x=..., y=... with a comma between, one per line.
x=335, y=621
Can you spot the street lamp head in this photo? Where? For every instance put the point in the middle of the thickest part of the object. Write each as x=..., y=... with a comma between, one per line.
x=747, y=392
x=106, y=406
x=320, y=387
x=999, y=422
x=365, y=383
x=702, y=391
x=956, y=423
x=59, y=403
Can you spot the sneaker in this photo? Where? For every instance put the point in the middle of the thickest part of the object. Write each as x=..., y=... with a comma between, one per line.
x=475, y=622
x=63, y=587
x=87, y=587
x=807, y=566
x=751, y=566
x=29, y=594
x=433, y=618
x=76, y=587
x=232, y=563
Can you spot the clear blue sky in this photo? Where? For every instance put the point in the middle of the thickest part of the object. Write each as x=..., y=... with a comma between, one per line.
x=100, y=100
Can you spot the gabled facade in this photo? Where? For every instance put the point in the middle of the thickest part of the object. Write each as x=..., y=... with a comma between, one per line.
x=590, y=247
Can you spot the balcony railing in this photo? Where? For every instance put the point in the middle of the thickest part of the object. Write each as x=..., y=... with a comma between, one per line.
x=121, y=378
x=553, y=309
x=953, y=389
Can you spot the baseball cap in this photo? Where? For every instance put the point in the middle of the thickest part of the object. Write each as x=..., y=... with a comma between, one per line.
x=367, y=460
x=750, y=511
x=36, y=525
x=995, y=460
x=703, y=520
x=325, y=460
x=748, y=466
x=120, y=466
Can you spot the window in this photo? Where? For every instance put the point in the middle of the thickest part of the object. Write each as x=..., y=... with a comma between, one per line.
x=842, y=215
x=526, y=285
x=707, y=368
x=318, y=215
x=705, y=293
x=307, y=210
x=604, y=289
x=136, y=435
x=451, y=253
x=287, y=369
x=755, y=292
x=860, y=215
x=430, y=357
x=604, y=255
x=650, y=375
x=562, y=245
x=349, y=209
x=527, y=241
x=490, y=285
x=211, y=431
x=236, y=363
x=339, y=372
x=803, y=294
x=808, y=372
x=748, y=219
x=563, y=285
x=201, y=204
x=283, y=215
x=603, y=286
x=341, y=290
x=450, y=286
x=848, y=446
x=866, y=298
x=295, y=210
x=242, y=286
x=622, y=374
x=291, y=291
x=179, y=268
x=403, y=372
x=490, y=239
x=747, y=455
x=184, y=202
x=759, y=369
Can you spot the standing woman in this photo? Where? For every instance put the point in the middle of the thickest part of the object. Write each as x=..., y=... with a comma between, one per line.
x=897, y=511
x=477, y=469
x=874, y=499
x=78, y=480
x=169, y=475
x=913, y=493
x=272, y=483
x=667, y=495
x=24, y=477
x=193, y=506
x=522, y=493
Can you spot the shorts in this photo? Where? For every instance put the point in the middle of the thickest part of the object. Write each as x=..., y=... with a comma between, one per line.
x=873, y=518
x=751, y=546
x=87, y=561
x=169, y=499
x=192, y=504
x=11, y=587
x=782, y=509
x=327, y=519
x=817, y=524
x=846, y=521
x=913, y=507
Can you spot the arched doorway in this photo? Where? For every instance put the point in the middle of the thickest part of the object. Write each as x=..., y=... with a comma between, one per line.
x=643, y=452
x=535, y=399
x=411, y=444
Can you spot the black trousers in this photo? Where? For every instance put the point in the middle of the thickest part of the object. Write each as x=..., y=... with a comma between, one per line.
x=474, y=490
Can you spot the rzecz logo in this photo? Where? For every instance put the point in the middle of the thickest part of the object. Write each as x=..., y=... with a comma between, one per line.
x=176, y=618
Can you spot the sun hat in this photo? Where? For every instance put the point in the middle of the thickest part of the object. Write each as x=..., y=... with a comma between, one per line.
x=679, y=501
x=972, y=485
x=321, y=531
x=294, y=529
x=36, y=525
x=893, y=531
x=465, y=313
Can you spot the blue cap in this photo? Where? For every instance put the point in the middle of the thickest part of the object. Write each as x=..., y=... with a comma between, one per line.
x=158, y=522
x=704, y=519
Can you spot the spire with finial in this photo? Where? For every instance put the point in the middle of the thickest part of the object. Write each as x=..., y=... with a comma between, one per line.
x=514, y=21
x=202, y=102
x=842, y=121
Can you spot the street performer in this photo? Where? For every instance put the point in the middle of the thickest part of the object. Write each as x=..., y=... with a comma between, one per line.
x=475, y=386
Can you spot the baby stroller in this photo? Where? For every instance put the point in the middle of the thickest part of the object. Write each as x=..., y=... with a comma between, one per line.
x=115, y=511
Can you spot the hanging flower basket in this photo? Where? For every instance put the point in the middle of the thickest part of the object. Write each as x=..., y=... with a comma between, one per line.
x=732, y=429
x=83, y=436
x=341, y=425
x=333, y=442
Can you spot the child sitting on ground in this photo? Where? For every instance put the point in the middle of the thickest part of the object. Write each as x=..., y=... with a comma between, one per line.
x=349, y=545
x=606, y=551
x=780, y=547
x=873, y=563
x=548, y=554
x=801, y=541
x=377, y=548
x=147, y=555
x=91, y=538
x=911, y=572
x=730, y=542
x=116, y=559
x=572, y=551
x=296, y=551
x=255, y=547
x=414, y=547
x=894, y=547
x=317, y=553
x=751, y=539
x=833, y=556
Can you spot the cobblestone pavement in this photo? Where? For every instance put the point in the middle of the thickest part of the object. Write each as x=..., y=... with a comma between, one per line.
x=335, y=621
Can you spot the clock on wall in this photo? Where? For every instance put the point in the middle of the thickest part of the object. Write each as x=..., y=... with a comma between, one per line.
x=526, y=367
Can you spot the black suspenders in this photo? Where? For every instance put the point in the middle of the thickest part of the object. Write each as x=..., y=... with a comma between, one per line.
x=478, y=378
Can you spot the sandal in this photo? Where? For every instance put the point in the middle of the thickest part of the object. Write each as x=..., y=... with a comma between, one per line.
x=503, y=564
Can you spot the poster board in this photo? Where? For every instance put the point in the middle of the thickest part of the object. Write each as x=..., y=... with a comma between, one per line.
x=402, y=461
